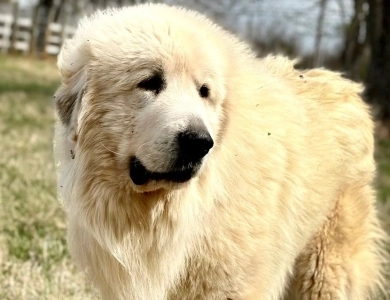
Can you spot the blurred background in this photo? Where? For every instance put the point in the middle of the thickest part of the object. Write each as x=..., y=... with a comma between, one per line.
x=349, y=36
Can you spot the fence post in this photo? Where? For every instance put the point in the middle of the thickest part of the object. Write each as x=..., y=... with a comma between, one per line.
x=49, y=20
x=35, y=30
x=15, y=15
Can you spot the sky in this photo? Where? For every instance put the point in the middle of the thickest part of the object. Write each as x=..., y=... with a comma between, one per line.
x=296, y=19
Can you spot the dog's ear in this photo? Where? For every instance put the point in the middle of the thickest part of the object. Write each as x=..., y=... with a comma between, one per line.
x=68, y=99
x=65, y=104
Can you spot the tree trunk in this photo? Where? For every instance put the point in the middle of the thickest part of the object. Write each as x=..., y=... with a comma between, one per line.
x=320, y=28
x=353, y=50
x=378, y=82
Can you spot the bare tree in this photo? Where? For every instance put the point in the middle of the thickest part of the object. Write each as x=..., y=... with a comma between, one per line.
x=320, y=29
x=378, y=81
x=367, y=52
x=355, y=42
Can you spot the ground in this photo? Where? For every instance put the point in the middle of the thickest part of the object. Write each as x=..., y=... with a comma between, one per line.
x=34, y=260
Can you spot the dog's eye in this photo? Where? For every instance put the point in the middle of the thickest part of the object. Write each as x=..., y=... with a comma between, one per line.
x=154, y=83
x=204, y=91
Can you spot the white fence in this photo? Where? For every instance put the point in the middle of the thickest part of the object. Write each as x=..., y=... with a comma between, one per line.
x=6, y=22
x=56, y=35
x=20, y=34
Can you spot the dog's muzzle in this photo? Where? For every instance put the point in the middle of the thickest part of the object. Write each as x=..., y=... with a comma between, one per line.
x=191, y=145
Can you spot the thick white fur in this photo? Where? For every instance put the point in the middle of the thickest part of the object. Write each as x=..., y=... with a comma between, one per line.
x=283, y=204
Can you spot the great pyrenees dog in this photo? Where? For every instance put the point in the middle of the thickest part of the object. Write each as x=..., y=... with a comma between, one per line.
x=190, y=169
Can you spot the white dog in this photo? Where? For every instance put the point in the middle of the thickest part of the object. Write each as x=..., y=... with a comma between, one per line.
x=190, y=169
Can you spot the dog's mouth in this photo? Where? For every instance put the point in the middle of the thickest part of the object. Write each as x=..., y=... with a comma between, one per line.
x=140, y=175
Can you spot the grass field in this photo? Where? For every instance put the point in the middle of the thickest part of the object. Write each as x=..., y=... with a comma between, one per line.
x=34, y=261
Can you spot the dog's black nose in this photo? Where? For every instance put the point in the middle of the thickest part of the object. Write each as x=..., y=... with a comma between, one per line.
x=194, y=143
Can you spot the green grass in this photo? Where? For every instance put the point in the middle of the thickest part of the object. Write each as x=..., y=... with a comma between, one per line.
x=34, y=261
x=382, y=157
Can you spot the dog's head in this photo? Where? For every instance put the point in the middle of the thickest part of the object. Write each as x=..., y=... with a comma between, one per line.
x=144, y=88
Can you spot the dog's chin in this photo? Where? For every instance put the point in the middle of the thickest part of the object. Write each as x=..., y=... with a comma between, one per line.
x=142, y=177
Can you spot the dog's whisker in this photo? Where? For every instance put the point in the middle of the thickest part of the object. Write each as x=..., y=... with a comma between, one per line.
x=121, y=115
x=112, y=150
x=142, y=145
